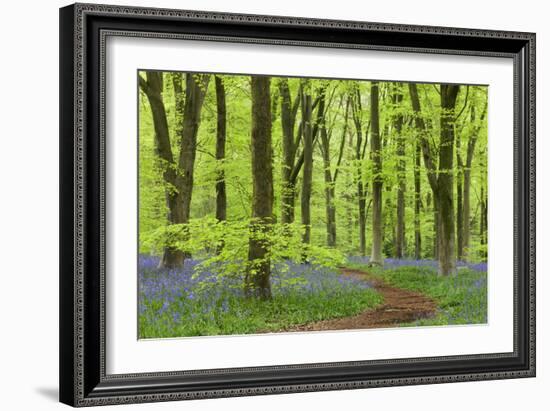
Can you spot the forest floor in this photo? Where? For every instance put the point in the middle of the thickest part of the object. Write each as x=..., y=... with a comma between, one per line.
x=400, y=306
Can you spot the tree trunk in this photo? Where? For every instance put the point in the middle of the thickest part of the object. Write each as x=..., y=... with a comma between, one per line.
x=221, y=196
x=221, y=136
x=288, y=119
x=152, y=87
x=436, y=227
x=330, y=207
x=257, y=278
x=466, y=202
x=429, y=161
x=445, y=203
x=459, y=201
x=330, y=178
x=308, y=167
x=483, y=222
x=401, y=176
x=467, y=180
x=191, y=106
x=417, y=204
x=361, y=194
x=375, y=148
x=195, y=90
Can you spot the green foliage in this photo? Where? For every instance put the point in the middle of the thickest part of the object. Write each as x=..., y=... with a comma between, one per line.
x=237, y=164
x=223, y=245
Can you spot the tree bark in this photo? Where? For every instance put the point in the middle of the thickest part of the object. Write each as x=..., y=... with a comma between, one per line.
x=221, y=126
x=472, y=140
x=330, y=177
x=308, y=166
x=187, y=128
x=359, y=153
x=428, y=157
x=289, y=143
x=459, y=201
x=152, y=87
x=257, y=278
x=195, y=90
x=436, y=227
x=221, y=136
x=441, y=181
x=401, y=176
x=445, y=203
x=375, y=152
x=483, y=222
x=330, y=208
x=417, y=203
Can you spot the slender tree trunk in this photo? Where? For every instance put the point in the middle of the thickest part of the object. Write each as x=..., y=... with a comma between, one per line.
x=466, y=206
x=459, y=202
x=221, y=136
x=330, y=178
x=195, y=90
x=361, y=194
x=288, y=119
x=436, y=226
x=257, y=278
x=221, y=196
x=429, y=162
x=472, y=140
x=362, y=219
x=466, y=214
x=330, y=207
x=152, y=87
x=191, y=106
x=447, y=255
x=483, y=222
x=350, y=220
x=375, y=148
x=330, y=210
x=417, y=204
x=401, y=174
x=308, y=166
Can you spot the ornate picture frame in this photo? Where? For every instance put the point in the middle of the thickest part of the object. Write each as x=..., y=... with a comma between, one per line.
x=84, y=30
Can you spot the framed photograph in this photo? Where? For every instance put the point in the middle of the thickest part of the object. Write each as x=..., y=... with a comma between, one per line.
x=261, y=204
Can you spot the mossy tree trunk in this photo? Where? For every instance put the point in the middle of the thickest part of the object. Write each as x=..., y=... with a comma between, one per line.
x=221, y=137
x=472, y=140
x=360, y=148
x=377, y=182
x=331, y=177
x=257, y=278
x=307, y=176
x=401, y=172
x=152, y=86
x=445, y=203
x=290, y=143
x=417, y=203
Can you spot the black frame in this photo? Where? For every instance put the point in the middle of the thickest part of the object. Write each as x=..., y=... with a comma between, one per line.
x=83, y=29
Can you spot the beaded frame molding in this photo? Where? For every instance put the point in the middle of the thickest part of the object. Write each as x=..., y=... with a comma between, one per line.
x=83, y=31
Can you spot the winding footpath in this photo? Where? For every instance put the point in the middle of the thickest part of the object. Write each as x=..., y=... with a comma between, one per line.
x=399, y=307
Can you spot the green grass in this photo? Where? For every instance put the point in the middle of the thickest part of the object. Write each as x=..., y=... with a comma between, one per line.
x=461, y=299
x=233, y=314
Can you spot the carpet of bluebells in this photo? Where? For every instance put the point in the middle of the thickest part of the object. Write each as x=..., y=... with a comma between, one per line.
x=461, y=298
x=194, y=300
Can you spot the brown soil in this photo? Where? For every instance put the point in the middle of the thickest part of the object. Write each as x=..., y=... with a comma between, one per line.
x=399, y=307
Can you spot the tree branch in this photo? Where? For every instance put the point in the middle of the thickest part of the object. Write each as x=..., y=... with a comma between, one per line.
x=422, y=129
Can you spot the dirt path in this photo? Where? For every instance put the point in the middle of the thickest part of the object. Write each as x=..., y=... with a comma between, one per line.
x=399, y=307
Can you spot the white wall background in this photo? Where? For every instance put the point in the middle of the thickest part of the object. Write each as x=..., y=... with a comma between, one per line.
x=29, y=204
